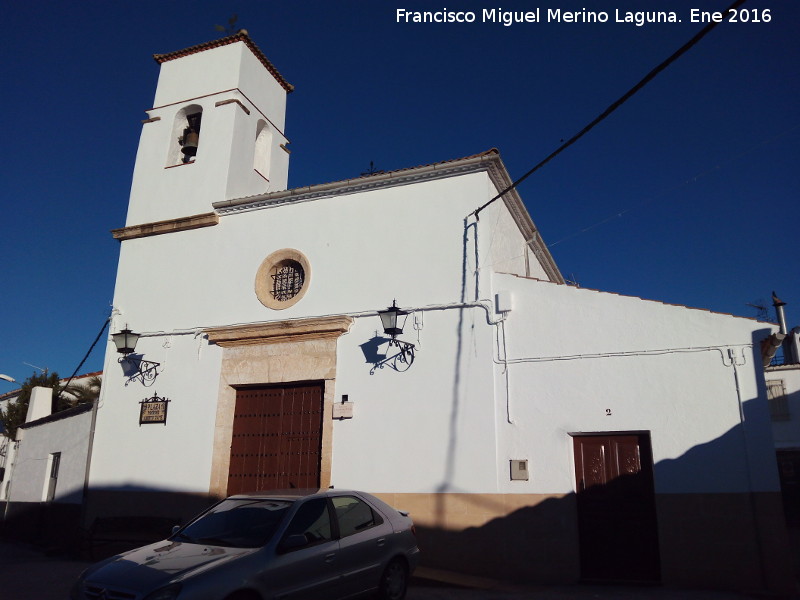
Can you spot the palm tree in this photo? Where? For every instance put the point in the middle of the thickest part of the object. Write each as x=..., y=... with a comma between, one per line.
x=14, y=414
x=64, y=397
x=80, y=393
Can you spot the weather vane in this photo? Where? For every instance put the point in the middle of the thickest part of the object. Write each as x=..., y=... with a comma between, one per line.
x=231, y=28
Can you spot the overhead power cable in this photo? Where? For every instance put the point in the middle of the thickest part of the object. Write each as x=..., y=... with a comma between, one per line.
x=94, y=343
x=693, y=179
x=624, y=98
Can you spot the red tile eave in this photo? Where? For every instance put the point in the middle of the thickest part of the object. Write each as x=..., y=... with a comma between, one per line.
x=85, y=375
x=241, y=36
x=11, y=394
x=708, y=310
x=14, y=393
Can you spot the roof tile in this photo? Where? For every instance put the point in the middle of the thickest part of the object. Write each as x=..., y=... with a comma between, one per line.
x=239, y=36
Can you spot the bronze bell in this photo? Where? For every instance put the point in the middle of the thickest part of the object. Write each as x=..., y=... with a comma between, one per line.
x=190, y=140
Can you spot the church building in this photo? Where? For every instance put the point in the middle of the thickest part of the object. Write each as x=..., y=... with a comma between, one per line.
x=535, y=430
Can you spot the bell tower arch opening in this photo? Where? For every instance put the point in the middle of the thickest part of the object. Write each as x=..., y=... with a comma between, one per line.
x=263, y=149
x=185, y=138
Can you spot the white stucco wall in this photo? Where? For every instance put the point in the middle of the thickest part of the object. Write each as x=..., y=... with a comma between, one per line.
x=425, y=430
x=154, y=456
x=505, y=249
x=577, y=355
x=71, y=437
x=359, y=263
x=40, y=403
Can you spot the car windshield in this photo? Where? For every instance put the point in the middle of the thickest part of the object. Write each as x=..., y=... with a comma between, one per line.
x=237, y=523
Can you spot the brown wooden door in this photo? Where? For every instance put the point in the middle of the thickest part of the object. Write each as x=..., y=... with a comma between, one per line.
x=616, y=508
x=277, y=437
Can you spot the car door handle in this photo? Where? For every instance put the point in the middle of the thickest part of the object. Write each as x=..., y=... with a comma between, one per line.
x=329, y=557
x=381, y=541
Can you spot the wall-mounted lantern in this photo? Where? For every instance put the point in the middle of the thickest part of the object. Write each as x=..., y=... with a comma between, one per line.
x=125, y=341
x=134, y=366
x=389, y=319
x=393, y=320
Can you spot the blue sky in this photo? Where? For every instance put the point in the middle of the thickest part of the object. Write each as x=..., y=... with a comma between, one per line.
x=687, y=194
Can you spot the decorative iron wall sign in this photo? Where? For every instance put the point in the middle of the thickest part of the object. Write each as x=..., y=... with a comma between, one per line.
x=153, y=410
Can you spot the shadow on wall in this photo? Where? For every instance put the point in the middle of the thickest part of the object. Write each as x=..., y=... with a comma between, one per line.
x=398, y=356
x=534, y=543
x=733, y=540
x=115, y=519
x=719, y=539
x=371, y=350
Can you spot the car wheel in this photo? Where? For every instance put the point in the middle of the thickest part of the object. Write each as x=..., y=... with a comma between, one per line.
x=394, y=581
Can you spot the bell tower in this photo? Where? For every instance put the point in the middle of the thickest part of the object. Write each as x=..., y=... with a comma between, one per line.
x=216, y=132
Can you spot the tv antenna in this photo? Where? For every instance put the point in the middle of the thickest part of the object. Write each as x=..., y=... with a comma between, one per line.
x=761, y=308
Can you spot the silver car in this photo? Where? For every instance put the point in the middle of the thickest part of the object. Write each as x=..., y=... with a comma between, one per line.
x=320, y=544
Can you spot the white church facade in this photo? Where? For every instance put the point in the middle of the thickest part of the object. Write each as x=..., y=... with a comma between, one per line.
x=535, y=430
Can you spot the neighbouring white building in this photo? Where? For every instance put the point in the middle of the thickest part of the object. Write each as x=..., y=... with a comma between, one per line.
x=45, y=471
x=5, y=441
x=77, y=391
x=783, y=391
x=535, y=431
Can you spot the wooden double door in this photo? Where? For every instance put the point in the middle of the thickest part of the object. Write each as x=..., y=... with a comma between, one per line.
x=277, y=438
x=616, y=508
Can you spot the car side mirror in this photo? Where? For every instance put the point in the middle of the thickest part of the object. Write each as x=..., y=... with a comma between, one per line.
x=175, y=529
x=293, y=542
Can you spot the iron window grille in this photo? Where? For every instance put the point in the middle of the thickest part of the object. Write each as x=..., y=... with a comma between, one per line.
x=778, y=401
x=287, y=281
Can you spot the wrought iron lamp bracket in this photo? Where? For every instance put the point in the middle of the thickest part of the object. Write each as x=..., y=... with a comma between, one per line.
x=146, y=370
x=400, y=361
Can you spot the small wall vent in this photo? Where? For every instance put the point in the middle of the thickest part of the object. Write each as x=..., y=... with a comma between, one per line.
x=519, y=470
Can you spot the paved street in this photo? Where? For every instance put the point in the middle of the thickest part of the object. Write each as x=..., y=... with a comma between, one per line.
x=29, y=575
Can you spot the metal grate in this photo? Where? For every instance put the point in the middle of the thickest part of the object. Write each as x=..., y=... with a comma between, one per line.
x=287, y=281
x=778, y=402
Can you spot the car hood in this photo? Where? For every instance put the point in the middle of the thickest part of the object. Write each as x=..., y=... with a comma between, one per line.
x=158, y=564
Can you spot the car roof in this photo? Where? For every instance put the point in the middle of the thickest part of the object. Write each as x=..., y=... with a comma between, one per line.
x=294, y=494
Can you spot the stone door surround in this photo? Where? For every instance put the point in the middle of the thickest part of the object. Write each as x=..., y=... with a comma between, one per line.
x=272, y=353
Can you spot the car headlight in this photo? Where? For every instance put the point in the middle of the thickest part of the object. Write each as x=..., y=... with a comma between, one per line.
x=166, y=593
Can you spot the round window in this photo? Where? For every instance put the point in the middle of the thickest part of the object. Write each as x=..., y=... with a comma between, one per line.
x=282, y=279
x=287, y=280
